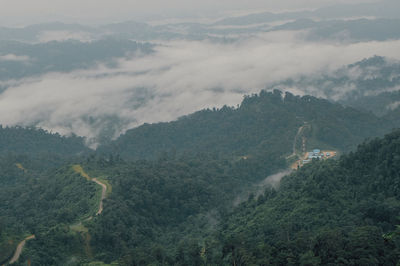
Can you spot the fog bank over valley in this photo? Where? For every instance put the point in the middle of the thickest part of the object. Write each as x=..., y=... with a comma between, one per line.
x=97, y=81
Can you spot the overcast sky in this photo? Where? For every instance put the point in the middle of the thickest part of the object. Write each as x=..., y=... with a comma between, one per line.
x=23, y=12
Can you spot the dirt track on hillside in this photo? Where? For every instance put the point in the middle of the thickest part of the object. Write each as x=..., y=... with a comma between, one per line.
x=103, y=194
x=20, y=246
x=79, y=170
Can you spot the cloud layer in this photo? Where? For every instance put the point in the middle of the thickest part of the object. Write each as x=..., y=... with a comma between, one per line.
x=14, y=58
x=179, y=78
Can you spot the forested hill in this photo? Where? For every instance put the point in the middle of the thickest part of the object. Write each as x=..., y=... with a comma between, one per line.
x=267, y=121
x=174, y=212
x=42, y=201
x=184, y=208
x=343, y=212
x=32, y=141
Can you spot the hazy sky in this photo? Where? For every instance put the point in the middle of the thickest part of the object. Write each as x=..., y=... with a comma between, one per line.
x=23, y=12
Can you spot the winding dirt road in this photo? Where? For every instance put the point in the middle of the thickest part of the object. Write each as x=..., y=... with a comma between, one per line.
x=78, y=169
x=20, y=246
x=103, y=194
x=299, y=131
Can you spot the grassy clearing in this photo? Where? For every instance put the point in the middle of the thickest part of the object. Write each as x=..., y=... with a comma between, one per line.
x=94, y=202
x=20, y=166
x=100, y=263
x=78, y=227
x=78, y=169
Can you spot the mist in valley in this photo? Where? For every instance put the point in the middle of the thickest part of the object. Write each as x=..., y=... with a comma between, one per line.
x=117, y=76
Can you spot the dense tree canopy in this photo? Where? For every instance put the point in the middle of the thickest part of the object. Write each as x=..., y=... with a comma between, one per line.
x=342, y=212
x=269, y=120
x=191, y=192
x=33, y=141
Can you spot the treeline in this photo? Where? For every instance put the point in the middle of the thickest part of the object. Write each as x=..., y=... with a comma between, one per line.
x=153, y=205
x=343, y=212
x=267, y=121
x=157, y=204
x=178, y=211
x=36, y=141
x=174, y=186
x=41, y=201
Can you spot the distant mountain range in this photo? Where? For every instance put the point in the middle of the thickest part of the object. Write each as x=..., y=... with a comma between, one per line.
x=22, y=60
x=372, y=85
x=342, y=22
x=218, y=186
x=381, y=9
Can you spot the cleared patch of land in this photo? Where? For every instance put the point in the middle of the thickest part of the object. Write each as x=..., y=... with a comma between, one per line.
x=326, y=154
x=20, y=166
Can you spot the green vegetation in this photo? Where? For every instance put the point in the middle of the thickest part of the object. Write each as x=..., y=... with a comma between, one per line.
x=78, y=227
x=41, y=203
x=8, y=244
x=341, y=212
x=165, y=200
x=180, y=190
x=32, y=141
x=330, y=212
x=267, y=122
x=369, y=85
x=99, y=263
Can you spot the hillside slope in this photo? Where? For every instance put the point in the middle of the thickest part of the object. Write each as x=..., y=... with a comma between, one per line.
x=371, y=84
x=268, y=121
x=176, y=187
x=342, y=212
x=33, y=141
x=44, y=203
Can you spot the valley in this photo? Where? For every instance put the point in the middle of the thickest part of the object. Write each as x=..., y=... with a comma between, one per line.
x=200, y=133
x=182, y=195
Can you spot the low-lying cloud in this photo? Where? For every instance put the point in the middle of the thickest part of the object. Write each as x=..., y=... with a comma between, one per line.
x=179, y=78
x=272, y=181
x=53, y=35
x=15, y=58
